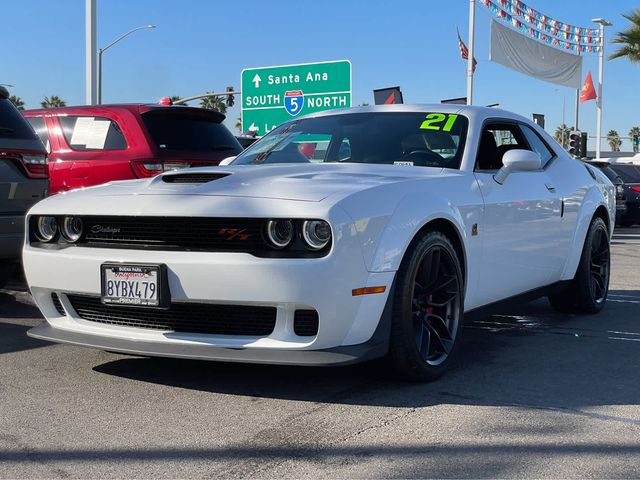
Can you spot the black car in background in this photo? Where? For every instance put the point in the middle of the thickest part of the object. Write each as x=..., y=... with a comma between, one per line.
x=24, y=179
x=630, y=175
x=621, y=207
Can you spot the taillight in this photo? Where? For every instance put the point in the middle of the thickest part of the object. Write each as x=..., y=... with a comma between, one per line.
x=146, y=168
x=150, y=167
x=635, y=188
x=36, y=165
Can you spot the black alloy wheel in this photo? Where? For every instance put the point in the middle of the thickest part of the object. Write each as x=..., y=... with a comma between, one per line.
x=600, y=265
x=428, y=309
x=587, y=292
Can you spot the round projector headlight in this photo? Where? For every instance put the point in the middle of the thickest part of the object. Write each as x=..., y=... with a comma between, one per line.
x=280, y=233
x=316, y=234
x=72, y=228
x=47, y=228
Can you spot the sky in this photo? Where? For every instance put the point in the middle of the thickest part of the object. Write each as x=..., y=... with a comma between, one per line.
x=202, y=45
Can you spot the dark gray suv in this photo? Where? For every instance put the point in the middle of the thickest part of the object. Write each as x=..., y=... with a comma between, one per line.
x=24, y=179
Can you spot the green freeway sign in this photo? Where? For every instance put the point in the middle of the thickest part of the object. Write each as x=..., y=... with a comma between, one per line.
x=274, y=95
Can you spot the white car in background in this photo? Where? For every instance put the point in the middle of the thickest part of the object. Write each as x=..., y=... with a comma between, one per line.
x=402, y=220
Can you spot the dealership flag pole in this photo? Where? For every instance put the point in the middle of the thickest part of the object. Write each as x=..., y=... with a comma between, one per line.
x=603, y=23
x=472, y=12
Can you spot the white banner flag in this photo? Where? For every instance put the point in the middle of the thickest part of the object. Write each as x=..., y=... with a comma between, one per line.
x=525, y=55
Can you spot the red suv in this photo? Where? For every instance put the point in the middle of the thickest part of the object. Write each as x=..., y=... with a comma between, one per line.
x=90, y=145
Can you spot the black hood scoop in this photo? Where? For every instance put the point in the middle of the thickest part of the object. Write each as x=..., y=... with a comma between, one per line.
x=193, y=177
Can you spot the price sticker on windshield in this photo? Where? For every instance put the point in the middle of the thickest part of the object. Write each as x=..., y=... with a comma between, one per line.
x=439, y=121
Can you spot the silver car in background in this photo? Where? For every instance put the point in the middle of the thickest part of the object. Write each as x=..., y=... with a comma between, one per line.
x=24, y=179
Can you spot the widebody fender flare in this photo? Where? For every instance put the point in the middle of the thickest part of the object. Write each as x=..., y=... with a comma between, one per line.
x=592, y=200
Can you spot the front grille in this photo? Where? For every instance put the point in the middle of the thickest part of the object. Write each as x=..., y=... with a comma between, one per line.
x=305, y=323
x=175, y=233
x=56, y=303
x=181, y=317
x=193, y=177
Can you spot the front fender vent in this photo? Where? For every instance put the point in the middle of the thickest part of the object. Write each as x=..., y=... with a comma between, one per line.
x=193, y=177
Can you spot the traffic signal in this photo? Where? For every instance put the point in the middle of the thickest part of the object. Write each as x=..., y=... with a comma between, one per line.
x=230, y=97
x=575, y=139
x=583, y=144
x=635, y=140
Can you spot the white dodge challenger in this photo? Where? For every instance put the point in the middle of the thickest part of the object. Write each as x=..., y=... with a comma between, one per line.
x=338, y=237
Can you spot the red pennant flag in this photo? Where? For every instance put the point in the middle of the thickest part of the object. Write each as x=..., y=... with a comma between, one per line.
x=588, y=91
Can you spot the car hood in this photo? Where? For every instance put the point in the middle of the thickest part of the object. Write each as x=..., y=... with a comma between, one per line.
x=310, y=183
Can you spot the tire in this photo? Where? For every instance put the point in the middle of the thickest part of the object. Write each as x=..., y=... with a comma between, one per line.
x=427, y=310
x=587, y=292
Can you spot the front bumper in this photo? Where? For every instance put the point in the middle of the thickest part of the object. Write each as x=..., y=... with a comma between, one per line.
x=347, y=323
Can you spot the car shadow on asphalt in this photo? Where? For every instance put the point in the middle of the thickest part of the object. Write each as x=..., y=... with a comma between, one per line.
x=524, y=356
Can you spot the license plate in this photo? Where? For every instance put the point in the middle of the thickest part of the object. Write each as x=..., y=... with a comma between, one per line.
x=136, y=285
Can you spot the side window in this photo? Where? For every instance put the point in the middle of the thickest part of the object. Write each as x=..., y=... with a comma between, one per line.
x=538, y=145
x=40, y=127
x=495, y=141
x=92, y=133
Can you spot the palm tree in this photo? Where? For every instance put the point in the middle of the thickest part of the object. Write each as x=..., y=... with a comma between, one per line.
x=239, y=124
x=53, y=102
x=214, y=103
x=634, y=132
x=562, y=135
x=614, y=140
x=17, y=101
x=629, y=39
x=174, y=98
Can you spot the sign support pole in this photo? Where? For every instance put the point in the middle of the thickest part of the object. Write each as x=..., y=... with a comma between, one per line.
x=472, y=14
x=90, y=51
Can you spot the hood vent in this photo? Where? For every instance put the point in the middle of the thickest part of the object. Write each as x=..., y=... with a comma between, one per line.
x=193, y=177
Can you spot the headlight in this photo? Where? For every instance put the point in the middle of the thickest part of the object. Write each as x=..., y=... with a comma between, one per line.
x=47, y=227
x=72, y=228
x=316, y=234
x=280, y=233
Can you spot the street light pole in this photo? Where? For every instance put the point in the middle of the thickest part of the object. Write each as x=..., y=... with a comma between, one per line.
x=102, y=50
x=603, y=23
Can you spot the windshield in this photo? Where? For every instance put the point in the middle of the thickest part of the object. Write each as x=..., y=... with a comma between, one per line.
x=412, y=139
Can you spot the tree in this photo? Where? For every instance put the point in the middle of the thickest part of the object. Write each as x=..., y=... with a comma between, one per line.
x=629, y=39
x=53, y=102
x=614, y=140
x=214, y=103
x=17, y=101
x=634, y=131
x=174, y=98
x=239, y=124
x=562, y=135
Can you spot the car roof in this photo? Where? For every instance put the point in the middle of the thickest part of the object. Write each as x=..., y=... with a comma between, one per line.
x=95, y=109
x=476, y=113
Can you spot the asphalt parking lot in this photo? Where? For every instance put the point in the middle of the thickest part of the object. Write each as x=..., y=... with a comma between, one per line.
x=533, y=393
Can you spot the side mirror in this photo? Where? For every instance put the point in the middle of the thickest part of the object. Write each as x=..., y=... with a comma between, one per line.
x=226, y=161
x=517, y=161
